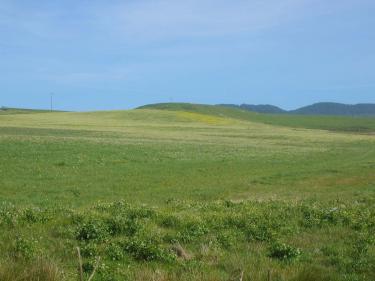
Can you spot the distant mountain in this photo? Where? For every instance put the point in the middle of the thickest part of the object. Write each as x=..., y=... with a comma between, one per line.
x=322, y=108
x=331, y=108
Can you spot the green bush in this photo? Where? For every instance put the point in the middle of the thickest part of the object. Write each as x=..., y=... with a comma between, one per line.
x=170, y=221
x=126, y=210
x=284, y=252
x=115, y=252
x=147, y=250
x=92, y=230
x=89, y=250
x=259, y=232
x=8, y=214
x=140, y=213
x=120, y=225
x=227, y=239
x=192, y=231
x=34, y=215
x=25, y=248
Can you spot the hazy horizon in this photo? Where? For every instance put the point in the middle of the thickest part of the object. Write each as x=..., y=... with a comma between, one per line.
x=96, y=55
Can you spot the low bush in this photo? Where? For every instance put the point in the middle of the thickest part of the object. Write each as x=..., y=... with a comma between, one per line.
x=89, y=250
x=147, y=250
x=192, y=230
x=227, y=239
x=284, y=252
x=35, y=215
x=170, y=221
x=128, y=237
x=259, y=232
x=122, y=225
x=25, y=248
x=115, y=251
x=92, y=230
x=8, y=214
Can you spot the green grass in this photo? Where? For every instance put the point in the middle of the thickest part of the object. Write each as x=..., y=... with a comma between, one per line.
x=237, y=194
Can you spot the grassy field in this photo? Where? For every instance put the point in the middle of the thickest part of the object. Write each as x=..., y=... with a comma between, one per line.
x=186, y=192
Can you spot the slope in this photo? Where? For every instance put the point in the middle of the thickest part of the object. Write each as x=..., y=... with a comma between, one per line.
x=332, y=123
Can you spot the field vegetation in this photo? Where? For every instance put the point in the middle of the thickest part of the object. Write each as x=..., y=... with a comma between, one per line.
x=357, y=124
x=186, y=192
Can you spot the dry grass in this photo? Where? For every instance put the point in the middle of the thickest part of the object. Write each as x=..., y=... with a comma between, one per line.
x=39, y=270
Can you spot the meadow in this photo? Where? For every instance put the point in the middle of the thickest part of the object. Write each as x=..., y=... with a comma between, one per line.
x=186, y=192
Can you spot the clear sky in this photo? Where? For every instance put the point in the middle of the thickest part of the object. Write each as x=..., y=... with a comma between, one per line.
x=120, y=54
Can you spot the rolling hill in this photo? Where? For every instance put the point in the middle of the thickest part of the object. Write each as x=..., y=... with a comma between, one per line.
x=322, y=108
x=235, y=191
x=10, y=110
x=330, y=108
x=332, y=123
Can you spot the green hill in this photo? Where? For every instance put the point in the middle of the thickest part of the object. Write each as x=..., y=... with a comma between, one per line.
x=9, y=110
x=321, y=108
x=331, y=108
x=333, y=123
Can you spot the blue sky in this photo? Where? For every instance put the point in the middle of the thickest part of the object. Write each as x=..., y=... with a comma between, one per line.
x=120, y=54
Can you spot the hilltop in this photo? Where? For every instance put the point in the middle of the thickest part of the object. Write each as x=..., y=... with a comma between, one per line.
x=331, y=108
x=260, y=108
x=321, y=108
x=9, y=110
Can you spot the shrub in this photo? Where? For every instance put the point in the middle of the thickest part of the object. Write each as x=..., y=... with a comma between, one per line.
x=34, y=215
x=227, y=239
x=234, y=220
x=170, y=221
x=259, y=232
x=147, y=250
x=311, y=217
x=92, y=230
x=126, y=210
x=89, y=250
x=284, y=252
x=120, y=225
x=8, y=214
x=107, y=275
x=88, y=266
x=115, y=252
x=140, y=213
x=25, y=248
x=192, y=231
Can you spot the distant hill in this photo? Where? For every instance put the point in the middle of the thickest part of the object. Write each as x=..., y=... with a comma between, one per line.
x=9, y=110
x=322, y=108
x=261, y=108
x=331, y=108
